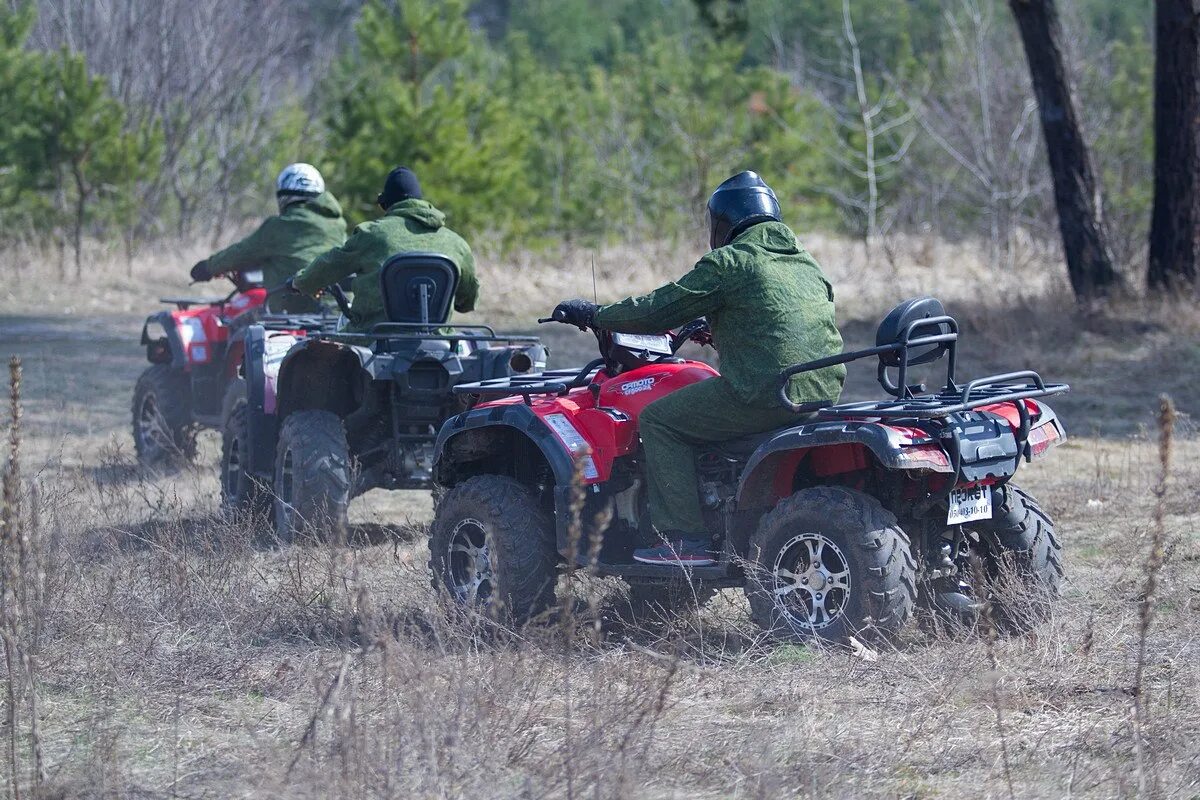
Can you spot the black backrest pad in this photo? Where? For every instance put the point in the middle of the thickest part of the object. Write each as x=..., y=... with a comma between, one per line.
x=418, y=287
x=899, y=319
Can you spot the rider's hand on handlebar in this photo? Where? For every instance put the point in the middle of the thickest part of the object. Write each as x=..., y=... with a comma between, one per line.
x=289, y=286
x=579, y=313
x=200, y=272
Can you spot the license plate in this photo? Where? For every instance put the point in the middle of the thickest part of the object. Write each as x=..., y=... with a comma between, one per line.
x=969, y=504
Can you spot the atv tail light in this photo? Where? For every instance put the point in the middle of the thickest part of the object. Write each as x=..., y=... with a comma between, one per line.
x=1042, y=438
x=924, y=456
x=191, y=330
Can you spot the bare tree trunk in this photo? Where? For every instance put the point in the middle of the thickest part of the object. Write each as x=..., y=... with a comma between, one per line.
x=1076, y=192
x=1175, y=222
x=81, y=198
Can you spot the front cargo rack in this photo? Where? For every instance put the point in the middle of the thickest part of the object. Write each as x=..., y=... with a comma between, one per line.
x=554, y=381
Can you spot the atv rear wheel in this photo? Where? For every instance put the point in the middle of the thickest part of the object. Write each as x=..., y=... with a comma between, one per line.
x=491, y=547
x=163, y=433
x=240, y=492
x=1022, y=562
x=313, y=477
x=830, y=563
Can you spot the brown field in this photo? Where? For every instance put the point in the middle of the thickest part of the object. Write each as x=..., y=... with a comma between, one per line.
x=178, y=654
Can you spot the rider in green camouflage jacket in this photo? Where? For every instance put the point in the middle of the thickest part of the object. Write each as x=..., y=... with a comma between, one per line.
x=409, y=224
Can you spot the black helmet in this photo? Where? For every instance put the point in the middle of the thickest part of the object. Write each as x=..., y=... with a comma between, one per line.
x=738, y=203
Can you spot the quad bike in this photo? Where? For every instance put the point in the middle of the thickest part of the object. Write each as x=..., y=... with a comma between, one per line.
x=836, y=526
x=333, y=415
x=194, y=361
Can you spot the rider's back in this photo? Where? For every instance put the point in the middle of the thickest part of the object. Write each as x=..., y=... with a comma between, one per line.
x=408, y=226
x=776, y=310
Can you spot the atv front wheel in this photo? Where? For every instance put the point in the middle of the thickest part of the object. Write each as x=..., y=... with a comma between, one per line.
x=491, y=547
x=240, y=492
x=312, y=478
x=830, y=563
x=1021, y=560
x=163, y=433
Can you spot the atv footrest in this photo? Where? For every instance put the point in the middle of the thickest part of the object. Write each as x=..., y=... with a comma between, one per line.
x=716, y=574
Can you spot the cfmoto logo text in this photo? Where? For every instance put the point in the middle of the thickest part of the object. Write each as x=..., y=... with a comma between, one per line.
x=633, y=387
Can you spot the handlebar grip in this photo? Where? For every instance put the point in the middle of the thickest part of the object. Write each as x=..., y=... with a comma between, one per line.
x=339, y=297
x=544, y=320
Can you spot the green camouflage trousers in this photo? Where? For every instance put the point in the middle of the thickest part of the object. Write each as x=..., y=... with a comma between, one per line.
x=672, y=430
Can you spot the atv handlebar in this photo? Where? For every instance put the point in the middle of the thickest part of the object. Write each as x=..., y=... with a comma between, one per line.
x=339, y=295
x=698, y=331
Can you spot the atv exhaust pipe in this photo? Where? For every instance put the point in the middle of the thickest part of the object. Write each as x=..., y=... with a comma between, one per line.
x=520, y=362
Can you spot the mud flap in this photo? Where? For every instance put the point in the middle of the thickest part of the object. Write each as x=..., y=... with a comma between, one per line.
x=262, y=429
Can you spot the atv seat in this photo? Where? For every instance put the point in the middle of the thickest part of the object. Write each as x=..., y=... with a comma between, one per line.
x=744, y=446
x=418, y=288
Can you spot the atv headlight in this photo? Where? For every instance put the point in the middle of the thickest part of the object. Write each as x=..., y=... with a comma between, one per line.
x=570, y=436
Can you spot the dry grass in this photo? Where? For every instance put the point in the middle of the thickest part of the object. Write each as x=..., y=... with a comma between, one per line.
x=519, y=286
x=178, y=653
x=181, y=655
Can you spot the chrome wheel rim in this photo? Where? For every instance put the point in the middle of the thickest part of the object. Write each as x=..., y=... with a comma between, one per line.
x=469, y=569
x=811, y=581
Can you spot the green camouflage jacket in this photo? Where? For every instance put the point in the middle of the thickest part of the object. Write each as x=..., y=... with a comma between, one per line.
x=769, y=305
x=285, y=244
x=408, y=226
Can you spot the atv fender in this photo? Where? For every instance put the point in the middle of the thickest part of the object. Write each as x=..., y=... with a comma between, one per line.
x=319, y=374
x=481, y=432
x=262, y=428
x=497, y=432
x=171, y=333
x=775, y=461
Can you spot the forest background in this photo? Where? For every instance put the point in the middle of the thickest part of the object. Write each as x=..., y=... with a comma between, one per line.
x=129, y=125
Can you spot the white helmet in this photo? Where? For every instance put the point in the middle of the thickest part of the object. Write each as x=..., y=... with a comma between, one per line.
x=297, y=183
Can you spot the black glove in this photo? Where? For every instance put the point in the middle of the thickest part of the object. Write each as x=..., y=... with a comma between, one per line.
x=579, y=313
x=289, y=285
x=698, y=331
x=200, y=272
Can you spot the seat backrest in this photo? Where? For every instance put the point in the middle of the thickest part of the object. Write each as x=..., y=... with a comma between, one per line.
x=907, y=317
x=418, y=287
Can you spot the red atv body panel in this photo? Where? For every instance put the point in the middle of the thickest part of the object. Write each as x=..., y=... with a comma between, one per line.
x=599, y=424
x=203, y=331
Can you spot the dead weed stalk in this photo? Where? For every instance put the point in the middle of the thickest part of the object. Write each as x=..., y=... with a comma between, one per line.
x=1151, y=570
x=20, y=611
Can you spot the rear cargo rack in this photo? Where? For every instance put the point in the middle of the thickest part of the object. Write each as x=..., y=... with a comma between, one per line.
x=396, y=332
x=980, y=392
x=298, y=322
x=918, y=339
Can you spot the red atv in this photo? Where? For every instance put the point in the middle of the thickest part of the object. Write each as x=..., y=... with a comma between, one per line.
x=195, y=356
x=836, y=526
